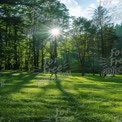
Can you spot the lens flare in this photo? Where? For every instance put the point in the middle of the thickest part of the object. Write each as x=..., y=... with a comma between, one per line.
x=55, y=32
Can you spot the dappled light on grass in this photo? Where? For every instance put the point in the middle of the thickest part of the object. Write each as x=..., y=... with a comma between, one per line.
x=89, y=98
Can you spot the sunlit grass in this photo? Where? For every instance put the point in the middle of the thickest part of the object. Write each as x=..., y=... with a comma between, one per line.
x=32, y=96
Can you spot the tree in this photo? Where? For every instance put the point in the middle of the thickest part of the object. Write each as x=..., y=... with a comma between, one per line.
x=83, y=29
x=106, y=36
x=101, y=19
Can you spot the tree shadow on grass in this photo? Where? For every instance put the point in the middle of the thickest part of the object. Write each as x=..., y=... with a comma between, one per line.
x=71, y=100
x=62, y=101
x=116, y=79
x=64, y=92
x=14, y=83
x=48, y=106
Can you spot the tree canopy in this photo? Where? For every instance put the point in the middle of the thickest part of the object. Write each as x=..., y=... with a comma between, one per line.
x=26, y=41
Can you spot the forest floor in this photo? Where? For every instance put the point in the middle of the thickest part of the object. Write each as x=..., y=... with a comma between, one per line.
x=33, y=97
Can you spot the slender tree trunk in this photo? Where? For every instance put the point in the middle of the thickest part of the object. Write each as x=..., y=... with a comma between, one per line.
x=42, y=59
x=16, y=65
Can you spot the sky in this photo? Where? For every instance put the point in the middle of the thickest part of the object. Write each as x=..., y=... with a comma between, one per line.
x=84, y=8
x=80, y=7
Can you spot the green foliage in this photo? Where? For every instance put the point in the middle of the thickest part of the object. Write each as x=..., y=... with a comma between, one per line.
x=23, y=45
x=118, y=29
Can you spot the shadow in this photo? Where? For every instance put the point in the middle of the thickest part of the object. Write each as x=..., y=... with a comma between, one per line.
x=15, y=81
x=83, y=97
x=116, y=79
x=71, y=100
x=64, y=101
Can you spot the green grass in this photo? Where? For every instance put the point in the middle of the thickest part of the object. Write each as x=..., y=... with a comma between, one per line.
x=29, y=97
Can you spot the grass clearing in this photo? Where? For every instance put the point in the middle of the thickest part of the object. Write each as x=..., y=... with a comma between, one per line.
x=28, y=97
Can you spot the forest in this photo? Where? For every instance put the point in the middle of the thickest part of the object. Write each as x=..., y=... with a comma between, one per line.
x=26, y=41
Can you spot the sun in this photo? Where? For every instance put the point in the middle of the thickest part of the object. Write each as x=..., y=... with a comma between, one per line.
x=55, y=32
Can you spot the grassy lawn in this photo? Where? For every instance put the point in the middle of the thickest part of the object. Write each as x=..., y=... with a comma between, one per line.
x=29, y=97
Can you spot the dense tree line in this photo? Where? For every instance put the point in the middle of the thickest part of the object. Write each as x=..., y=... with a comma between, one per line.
x=25, y=39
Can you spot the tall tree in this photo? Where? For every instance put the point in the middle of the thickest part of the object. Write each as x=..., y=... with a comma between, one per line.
x=83, y=29
x=101, y=19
